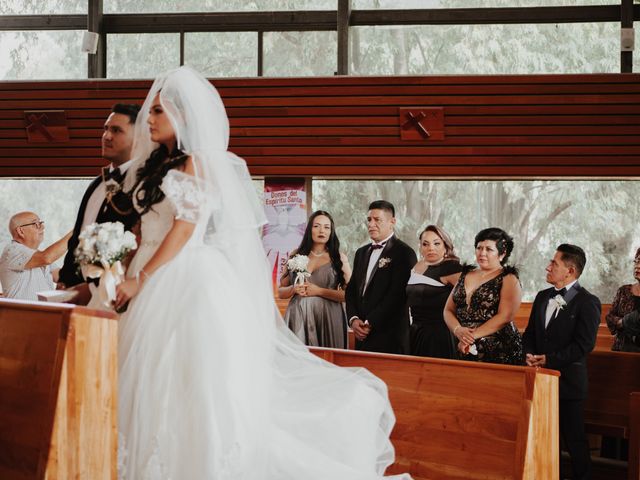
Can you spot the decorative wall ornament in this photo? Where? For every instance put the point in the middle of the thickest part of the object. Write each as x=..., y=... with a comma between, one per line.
x=46, y=126
x=421, y=123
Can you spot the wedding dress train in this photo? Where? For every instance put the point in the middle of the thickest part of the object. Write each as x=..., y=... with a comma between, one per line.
x=212, y=385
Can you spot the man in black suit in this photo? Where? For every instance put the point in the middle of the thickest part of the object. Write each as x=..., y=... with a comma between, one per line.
x=104, y=199
x=375, y=295
x=560, y=334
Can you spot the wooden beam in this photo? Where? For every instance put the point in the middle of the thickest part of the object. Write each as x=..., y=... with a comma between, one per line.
x=97, y=63
x=626, y=21
x=476, y=16
x=220, y=22
x=43, y=22
x=344, y=18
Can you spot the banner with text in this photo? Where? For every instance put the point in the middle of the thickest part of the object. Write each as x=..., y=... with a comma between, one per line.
x=285, y=204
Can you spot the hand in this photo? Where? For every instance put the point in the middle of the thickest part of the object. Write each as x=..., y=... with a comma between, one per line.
x=299, y=289
x=535, y=360
x=312, y=289
x=125, y=291
x=465, y=335
x=360, y=329
x=60, y=286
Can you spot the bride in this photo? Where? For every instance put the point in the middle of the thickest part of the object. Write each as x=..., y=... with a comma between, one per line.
x=212, y=385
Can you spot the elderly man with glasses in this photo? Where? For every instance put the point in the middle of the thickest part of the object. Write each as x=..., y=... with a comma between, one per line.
x=25, y=270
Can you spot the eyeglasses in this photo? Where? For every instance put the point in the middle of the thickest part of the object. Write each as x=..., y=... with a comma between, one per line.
x=39, y=224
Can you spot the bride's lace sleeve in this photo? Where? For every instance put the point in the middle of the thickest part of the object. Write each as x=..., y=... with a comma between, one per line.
x=190, y=196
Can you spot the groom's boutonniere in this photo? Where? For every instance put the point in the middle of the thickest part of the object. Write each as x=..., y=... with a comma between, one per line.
x=559, y=303
x=383, y=262
x=112, y=187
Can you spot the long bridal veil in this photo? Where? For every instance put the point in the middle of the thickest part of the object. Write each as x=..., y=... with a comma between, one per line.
x=275, y=411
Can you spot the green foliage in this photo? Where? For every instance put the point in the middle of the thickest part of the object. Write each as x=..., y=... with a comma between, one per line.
x=597, y=215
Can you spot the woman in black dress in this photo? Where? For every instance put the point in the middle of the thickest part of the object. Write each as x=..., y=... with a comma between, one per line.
x=432, y=279
x=482, y=305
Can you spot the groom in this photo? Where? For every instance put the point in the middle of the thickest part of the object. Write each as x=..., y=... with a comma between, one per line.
x=560, y=334
x=104, y=200
x=375, y=295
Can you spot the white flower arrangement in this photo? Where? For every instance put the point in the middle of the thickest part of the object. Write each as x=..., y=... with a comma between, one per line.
x=298, y=264
x=101, y=246
x=558, y=304
x=112, y=187
x=383, y=262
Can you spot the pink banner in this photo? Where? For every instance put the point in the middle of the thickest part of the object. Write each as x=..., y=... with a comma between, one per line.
x=285, y=204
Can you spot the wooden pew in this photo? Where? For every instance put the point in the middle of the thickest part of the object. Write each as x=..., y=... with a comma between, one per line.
x=612, y=406
x=634, y=436
x=58, y=392
x=461, y=420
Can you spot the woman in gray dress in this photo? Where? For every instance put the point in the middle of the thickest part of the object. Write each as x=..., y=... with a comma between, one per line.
x=315, y=314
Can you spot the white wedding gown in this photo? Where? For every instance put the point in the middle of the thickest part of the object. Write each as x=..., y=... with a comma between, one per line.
x=214, y=386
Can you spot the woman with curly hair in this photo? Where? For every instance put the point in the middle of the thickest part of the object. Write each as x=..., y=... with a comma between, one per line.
x=482, y=305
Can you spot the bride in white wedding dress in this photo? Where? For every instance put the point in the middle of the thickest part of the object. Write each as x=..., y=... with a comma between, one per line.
x=212, y=385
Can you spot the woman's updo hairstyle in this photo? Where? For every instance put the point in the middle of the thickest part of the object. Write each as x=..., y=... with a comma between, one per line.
x=504, y=242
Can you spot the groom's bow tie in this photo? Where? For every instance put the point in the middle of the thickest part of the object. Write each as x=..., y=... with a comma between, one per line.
x=114, y=174
x=376, y=246
x=560, y=292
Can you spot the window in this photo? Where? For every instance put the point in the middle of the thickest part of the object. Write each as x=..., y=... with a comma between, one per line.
x=42, y=55
x=171, y=6
x=300, y=54
x=222, y=54
x=600, y=216
x=485, y=49
x=42, y=7
x=55, y=201
x=143, y=55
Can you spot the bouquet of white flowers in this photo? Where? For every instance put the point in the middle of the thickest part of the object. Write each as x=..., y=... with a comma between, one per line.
x=298, y=264
x=101, y=246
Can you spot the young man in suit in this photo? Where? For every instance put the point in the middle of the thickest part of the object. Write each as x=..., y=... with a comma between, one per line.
x=104, y=200
x=375, y=295
x=560, y=334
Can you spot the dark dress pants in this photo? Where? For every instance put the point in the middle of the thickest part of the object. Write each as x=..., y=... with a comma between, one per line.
x=575, y=439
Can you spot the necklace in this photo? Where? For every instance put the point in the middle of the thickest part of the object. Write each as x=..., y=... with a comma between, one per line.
x=317, y=254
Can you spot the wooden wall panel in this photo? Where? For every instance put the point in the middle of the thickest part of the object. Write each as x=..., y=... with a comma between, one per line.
x=507, y=125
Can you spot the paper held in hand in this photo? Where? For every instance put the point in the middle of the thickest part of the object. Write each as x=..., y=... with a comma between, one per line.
x=58, y=296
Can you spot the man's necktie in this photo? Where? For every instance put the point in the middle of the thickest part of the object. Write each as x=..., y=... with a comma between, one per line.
x=376, y=246
x=560, y=292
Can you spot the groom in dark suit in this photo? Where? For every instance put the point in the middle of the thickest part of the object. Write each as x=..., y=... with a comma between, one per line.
x=375, y=295
x=560, y=334
x=104, y=199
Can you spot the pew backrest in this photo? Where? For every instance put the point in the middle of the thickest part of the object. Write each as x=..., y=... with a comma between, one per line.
x=458, y=419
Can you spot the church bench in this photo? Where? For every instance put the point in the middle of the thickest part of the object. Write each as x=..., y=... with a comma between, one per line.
x=613, y=403
x=613, y=377
x=634, y=436
x=58, y=392
x=457, y=420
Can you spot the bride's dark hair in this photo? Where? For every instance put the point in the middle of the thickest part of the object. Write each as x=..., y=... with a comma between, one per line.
x=150, y=175
x=333, y=244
